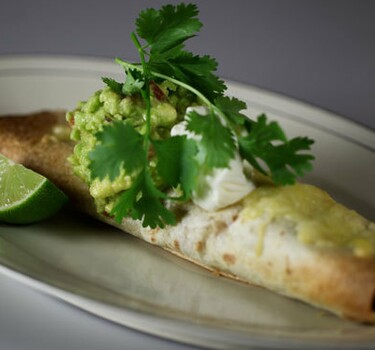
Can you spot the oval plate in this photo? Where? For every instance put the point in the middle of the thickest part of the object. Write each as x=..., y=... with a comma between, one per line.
x=120, y=278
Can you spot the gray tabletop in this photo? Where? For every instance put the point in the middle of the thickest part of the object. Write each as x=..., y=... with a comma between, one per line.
x=317, y=51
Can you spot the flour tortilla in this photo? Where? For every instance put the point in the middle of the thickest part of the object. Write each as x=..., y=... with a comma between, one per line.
x=222, y=241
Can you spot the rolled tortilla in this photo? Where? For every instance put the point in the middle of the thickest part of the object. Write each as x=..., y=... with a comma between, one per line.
x=225, y=242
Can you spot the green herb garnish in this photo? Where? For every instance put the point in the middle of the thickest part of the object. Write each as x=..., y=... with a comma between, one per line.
x=160, y=38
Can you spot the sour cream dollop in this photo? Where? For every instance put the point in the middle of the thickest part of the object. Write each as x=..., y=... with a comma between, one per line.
x=224, y=186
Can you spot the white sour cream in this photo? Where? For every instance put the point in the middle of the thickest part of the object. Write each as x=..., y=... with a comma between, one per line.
x=224, y=186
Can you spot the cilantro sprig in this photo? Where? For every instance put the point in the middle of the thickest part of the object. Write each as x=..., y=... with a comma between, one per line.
x=267, y=142
x=160, y=38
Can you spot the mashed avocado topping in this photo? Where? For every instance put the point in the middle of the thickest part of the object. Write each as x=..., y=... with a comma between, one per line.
x=319, y=220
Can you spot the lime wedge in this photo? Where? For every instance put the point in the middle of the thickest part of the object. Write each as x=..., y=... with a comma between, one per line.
x=25, y=196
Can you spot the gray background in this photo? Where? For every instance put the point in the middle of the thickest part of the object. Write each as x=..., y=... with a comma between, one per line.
x=321, y=52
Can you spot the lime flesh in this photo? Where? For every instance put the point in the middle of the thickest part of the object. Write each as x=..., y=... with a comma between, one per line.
x=26, y=196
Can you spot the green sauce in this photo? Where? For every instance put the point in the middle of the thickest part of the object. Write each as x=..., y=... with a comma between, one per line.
x=319, y=220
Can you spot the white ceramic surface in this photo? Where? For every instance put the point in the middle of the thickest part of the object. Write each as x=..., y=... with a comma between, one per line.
x=118, y=277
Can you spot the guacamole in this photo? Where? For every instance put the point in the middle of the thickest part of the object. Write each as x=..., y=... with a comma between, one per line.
x=168, y=105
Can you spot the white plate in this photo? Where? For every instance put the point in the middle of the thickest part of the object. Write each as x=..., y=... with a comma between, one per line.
x=123, y=279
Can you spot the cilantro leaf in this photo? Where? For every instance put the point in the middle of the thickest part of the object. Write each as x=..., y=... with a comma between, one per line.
x=287, y=164
x=150, y=208
x=133, y=83
x=231, y=108
x=143, y=202
x=113, y=84
x=120, y=146
x=191, y=69
x=168, y=27
x=283, y=159
x=124, y=205
x=217, y=143
x=176, y=162
x=265, y=132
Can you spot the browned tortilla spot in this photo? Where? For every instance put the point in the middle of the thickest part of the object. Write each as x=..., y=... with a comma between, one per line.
x=229, y=259
x=199, y=246
x=176, y=244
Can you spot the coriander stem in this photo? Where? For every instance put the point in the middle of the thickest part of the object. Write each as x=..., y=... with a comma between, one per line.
x=146, y=92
